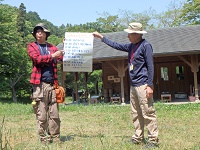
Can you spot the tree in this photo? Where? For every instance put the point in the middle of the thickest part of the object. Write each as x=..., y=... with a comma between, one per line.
x=170, y=18
x=104, y=24
x=88, y=27
x=33, y=18
x=18, y=74
x=190, y=12
x=21, y=18
x=61, y=31
x=54, y=40
x=179, y=14
x=95, y=77
x=109, y=24
x=6, y=15
x=14, y=60
x=128, y=16
x=28, y=32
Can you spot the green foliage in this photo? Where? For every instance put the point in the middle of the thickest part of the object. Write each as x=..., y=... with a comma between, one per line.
x=21, y=19
x=9, y=40
x=14, y=60
x=69, y=80
x=95, y=78
x=3, y=145
x=145, y=18
x=109, y=24
x=54, y=40
x=103, y=24
x=28, y=32
x=190, y=12
x=33, y=18
x=14, y=109
x=88, y=27
x=61, y=31
x=100, y=127
x=170, y=18
x=179, y=14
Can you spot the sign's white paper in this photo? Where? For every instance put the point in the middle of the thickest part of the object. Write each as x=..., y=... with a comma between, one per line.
x=78, y=49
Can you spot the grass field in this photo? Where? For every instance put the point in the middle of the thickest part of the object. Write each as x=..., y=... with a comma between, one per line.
x=99, y=127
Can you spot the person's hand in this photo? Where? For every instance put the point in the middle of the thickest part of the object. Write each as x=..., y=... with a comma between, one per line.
x=58, y=53
x=97, y=34
x=149, y=92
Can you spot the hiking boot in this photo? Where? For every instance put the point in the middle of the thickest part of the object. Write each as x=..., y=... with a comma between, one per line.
x=150, y=145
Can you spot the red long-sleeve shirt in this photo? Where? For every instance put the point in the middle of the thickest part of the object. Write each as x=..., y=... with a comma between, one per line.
x=39, y=60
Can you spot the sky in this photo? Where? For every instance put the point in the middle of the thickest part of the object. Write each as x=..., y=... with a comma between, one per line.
x=78, y=12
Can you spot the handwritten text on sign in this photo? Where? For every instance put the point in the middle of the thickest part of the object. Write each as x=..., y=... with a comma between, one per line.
x=78, y=49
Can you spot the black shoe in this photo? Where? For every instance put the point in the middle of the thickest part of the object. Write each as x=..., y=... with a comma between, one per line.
x=150, y=145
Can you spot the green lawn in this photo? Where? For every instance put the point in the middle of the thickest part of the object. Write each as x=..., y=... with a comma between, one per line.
x=99, y=127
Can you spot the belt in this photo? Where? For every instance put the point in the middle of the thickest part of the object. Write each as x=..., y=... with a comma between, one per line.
x=51, y=83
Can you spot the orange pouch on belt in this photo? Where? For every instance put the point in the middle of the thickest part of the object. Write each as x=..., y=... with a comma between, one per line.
x=60, y=94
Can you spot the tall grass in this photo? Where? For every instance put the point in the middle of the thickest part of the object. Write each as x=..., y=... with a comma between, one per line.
x=100, y=127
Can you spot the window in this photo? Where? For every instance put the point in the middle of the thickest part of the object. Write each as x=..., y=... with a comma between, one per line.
x=180, y=72
x=164, y=73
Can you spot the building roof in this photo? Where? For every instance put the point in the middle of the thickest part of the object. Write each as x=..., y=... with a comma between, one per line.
x=166, y=41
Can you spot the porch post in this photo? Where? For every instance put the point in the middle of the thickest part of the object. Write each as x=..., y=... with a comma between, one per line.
x=85, y=83
x=63, y=76
x=76, y=85
x=195, y=69
x=194, y=65
x=121, y=73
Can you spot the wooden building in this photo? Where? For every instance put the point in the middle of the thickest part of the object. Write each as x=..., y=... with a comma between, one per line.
x=176, y=62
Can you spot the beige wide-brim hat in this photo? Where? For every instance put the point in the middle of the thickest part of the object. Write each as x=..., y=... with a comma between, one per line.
x=135, y=27
x=43, y=27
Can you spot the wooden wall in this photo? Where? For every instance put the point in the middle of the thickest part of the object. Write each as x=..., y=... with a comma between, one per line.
x=173, y=86
x=111, y=85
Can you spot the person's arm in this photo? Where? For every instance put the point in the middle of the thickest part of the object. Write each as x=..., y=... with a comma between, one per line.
x=60, y=58
x=97, y=35
x=150, y=69
x=149, y=92
x=36, y=57
x=122, y=47
x=59, y=53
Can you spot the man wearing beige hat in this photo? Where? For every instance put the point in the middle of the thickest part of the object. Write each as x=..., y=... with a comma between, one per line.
x=141, y=72
x=44, y=58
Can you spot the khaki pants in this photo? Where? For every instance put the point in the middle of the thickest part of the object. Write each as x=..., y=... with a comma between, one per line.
x=143, y=113
x=46, y=110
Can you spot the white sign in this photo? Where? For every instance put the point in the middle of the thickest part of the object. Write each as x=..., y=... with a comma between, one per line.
x=78, y=49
